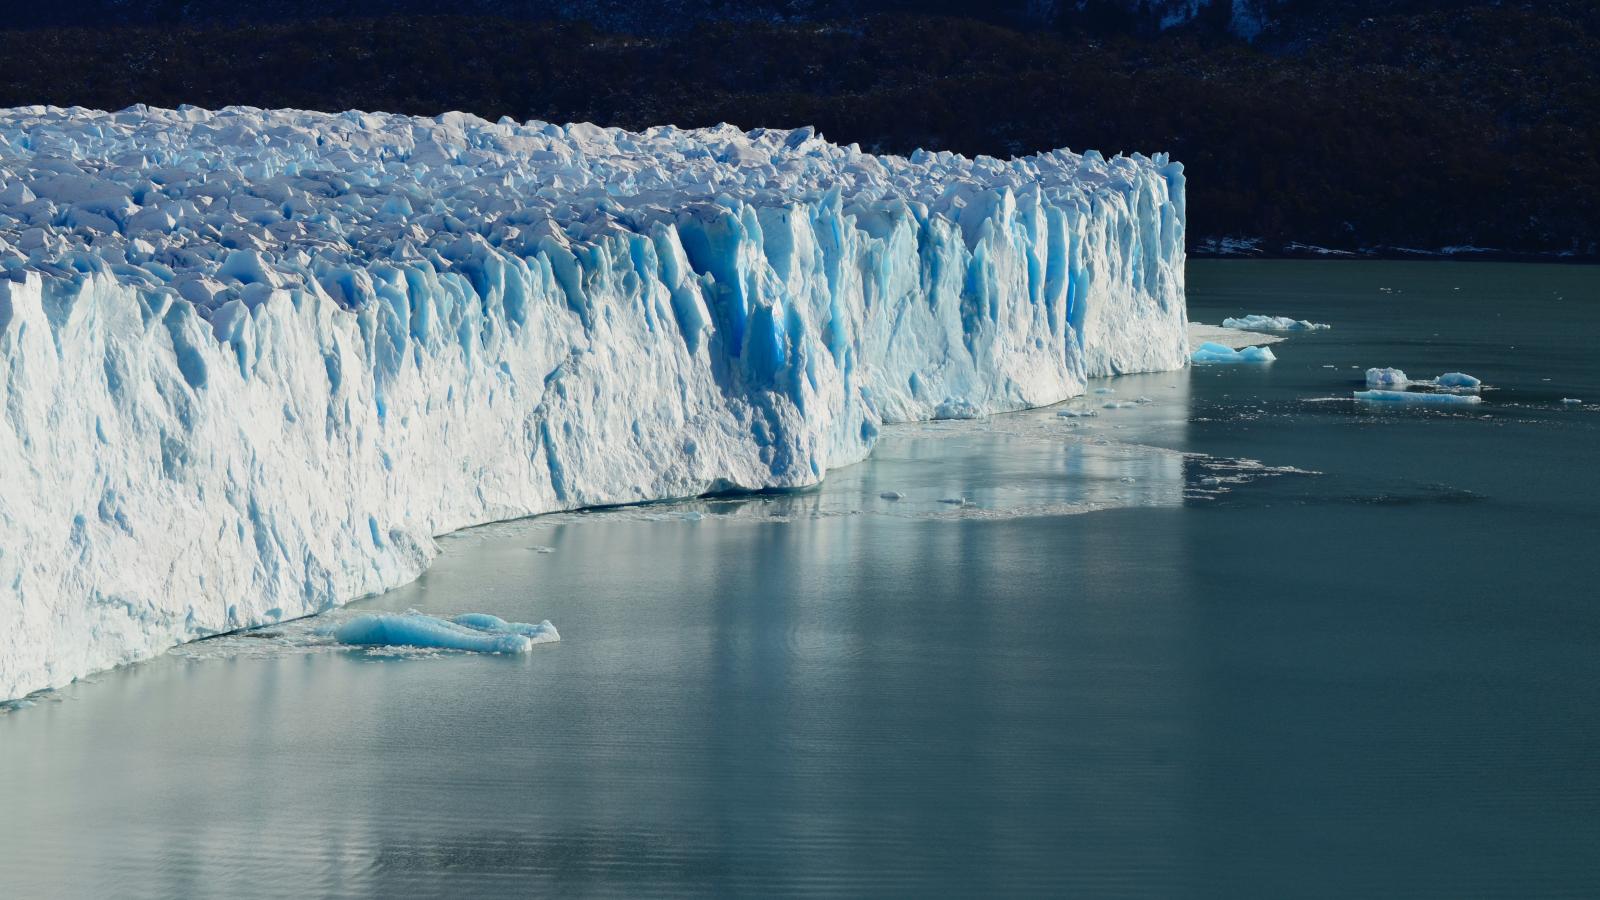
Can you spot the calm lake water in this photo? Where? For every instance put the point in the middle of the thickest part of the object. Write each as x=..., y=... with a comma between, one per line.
x=1243, y=640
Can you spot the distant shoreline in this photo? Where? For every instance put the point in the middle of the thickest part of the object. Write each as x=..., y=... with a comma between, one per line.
x=1256, y=248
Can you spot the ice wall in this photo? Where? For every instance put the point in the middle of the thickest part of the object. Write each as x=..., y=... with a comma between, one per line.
x=251, y=362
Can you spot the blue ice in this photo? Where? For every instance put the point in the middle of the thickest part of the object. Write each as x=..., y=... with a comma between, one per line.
x=539, y=634
x=1458, y=380
x=1217, y=353
x=413, y=629
x=1414, y=397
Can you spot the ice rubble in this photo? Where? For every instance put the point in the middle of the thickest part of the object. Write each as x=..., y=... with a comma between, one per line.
x=1396, y=378
x=1211, y=352
x=1272, y=323
x=251, y=362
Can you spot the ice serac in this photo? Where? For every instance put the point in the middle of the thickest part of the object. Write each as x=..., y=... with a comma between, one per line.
x=252, y=362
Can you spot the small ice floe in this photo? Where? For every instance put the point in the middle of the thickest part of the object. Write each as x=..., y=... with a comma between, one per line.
x=1449, y=381
x=1118, y=404
x=1387, y=378
x=1212, y=352
x=891, y=495
x=542, y=633
x=1273, y=323
x=1571, y=400
x=1105, y=390
x=954, y=501
x=541, y=548
x=1458, y=380
x=414, y=629
x=1076, y=413
x=1142, y=400
x=1417, y=398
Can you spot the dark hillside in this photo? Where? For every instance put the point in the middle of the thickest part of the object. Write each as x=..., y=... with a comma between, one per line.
x=1475, y=126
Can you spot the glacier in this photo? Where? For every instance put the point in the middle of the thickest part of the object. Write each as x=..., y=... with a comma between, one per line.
x=252, y=362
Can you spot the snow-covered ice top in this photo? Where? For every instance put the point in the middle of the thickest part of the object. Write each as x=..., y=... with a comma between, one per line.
x=234, y=203
x=252, y=362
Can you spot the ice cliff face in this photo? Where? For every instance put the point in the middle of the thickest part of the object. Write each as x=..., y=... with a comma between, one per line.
x=251, y=362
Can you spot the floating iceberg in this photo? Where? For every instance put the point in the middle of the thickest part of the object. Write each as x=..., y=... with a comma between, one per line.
x=1417, y=398
x=1272, y=323
x=414, y=629
x=542, y=633
x=1211, y=352
x=1387, y=378
x=1458, y=381
x=1395, y=378
x=253, y=361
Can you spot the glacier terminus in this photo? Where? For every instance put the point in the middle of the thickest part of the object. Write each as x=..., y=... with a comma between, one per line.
x=253, y=361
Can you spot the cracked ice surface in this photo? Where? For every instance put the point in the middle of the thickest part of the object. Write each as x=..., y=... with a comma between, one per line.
x=252, y=362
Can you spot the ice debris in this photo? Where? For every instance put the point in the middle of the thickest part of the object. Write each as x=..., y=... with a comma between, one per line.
x=1272, y=323
x=1396, y=378
x=542, y=633
x=1211, y=352
x=1458, y=380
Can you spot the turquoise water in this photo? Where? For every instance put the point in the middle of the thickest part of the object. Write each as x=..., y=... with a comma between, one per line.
x=1247, y=639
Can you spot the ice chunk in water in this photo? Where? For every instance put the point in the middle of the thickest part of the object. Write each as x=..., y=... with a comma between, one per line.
x=1458, y=380
x=1273, y=323
x=1417, y=398
x=1211, y=352
x=417, y=630
x=1387, y=377
x=542, y=633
